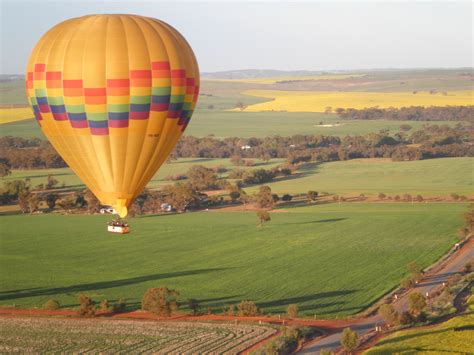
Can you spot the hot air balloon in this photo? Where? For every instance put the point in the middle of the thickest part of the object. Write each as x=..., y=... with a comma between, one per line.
x=113, y=94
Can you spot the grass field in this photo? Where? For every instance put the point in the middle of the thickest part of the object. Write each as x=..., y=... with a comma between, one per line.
x=311, y=101
x=256, y=124
x=454, y=336
x=329, y=259
x=433, y=177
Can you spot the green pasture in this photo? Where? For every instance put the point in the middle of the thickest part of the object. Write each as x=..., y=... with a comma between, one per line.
x=223, y=124
x=332, y=260
x=433, y=177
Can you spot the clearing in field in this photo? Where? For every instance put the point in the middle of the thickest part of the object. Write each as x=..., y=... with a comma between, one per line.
x=114, y=336
x=8, y=115
x=331, y=259
x=307, y=101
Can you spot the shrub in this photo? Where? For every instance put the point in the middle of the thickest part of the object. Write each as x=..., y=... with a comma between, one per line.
x=389, y=314
x=286, y=197
x=416, y=302
x=292, y=311
x=468, y=267
x=231, y=310
x=406, y=318
x=87, y=307
x=312, y=195
x=104, y=306
x=52, y=305
x=247, y=309
x=349, y=340
x=120, y=305
x=161, y=301
x=263, y=217
x=407, y=282
x=193, y=304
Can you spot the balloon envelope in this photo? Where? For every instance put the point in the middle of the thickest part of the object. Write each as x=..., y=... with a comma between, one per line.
x=113, y=94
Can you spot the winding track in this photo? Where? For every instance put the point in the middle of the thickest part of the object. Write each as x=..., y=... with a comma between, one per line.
x=430, y=283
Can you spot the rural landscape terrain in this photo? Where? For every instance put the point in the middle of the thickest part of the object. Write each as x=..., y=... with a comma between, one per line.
x=300, y=211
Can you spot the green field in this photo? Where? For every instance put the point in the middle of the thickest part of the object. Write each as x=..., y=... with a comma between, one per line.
x=256, y=124
x=433, y=177
x=331, y=260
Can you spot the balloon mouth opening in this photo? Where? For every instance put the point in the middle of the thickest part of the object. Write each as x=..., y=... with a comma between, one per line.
x=122, y=211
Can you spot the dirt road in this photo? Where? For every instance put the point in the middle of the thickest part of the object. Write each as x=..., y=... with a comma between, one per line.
x=430, y=283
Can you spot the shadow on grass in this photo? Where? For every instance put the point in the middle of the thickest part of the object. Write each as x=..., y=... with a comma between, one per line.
x=308, y=298
x=328, y=220
x=10, y=295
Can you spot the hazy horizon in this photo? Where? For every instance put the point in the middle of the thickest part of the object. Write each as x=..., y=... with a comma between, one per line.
x=291, y=36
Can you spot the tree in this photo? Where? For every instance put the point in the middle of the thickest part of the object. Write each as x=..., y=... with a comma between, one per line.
x=51, y=182
x=263, y=217
x=181, y=196
x=87, y=307
x=234, y=195
x=419, y=198
x=193, y=304
x=264, y=198
x=292, y=311
x=33, y=203
x=202, y=178
x=51, y=200
x=382, y=196
x=416, y=302
x=407, y=282
x=414, y=270
x=389, y=314
x=286, y=198
x=52, y=305
x=312, y=195
x=161, y=301
x=5, y=167
x=349, y=340
x=247, y=309
x=24, y=201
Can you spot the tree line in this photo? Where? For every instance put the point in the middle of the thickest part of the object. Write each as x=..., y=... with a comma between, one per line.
x=412, y=113
x=433, y=141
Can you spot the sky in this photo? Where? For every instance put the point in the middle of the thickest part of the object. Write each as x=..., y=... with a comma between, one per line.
x=310, y=35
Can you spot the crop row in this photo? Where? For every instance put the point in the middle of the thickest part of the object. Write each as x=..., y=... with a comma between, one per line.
x=92, y=335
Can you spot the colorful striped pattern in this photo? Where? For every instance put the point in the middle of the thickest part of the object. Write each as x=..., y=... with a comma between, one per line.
x=113, y=94
x=134, y=107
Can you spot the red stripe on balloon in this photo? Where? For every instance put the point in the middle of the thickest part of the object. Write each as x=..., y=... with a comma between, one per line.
x=72, y=84
x=139, y=115
x=140, y=74
x=160, y=65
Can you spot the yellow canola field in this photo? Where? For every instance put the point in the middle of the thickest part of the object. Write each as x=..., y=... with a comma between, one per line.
x=312, y=101
x=8, y=115
x=270, y=81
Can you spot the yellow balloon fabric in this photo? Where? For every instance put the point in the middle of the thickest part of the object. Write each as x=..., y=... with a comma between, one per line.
x=113, y=94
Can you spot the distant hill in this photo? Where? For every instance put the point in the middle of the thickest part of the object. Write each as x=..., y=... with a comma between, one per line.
x=257, y=73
